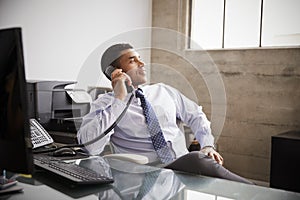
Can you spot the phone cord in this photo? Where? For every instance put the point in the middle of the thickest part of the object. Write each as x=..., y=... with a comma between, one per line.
x=101, y=135
x=109, y=128
x=96, y=138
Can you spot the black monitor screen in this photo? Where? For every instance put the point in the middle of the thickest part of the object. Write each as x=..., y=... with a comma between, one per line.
x=15, y=143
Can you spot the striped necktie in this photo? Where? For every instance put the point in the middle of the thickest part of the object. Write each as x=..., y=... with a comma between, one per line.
x=156, y=135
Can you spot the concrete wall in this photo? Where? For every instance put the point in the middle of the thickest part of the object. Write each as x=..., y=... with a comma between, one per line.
x=262, y=88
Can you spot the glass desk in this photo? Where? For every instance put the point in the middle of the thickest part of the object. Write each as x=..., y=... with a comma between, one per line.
x=133, y=181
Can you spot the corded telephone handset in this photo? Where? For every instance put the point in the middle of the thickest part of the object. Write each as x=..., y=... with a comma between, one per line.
x=39, y=136
x=109, y=70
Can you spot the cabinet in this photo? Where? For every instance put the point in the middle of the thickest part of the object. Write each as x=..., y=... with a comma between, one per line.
x=285, y=161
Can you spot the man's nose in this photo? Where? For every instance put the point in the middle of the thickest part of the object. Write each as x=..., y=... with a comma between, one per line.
x=140, y=63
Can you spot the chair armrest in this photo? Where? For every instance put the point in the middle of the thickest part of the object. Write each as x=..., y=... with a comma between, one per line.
x=139, y=159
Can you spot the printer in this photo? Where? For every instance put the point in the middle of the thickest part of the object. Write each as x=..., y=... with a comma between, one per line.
x=57, y=106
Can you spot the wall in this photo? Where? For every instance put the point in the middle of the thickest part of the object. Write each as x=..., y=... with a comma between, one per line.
x=262, y=90
x=60, y=36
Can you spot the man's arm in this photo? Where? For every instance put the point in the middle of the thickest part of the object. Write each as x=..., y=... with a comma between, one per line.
x=192, y=114
x=104, y=111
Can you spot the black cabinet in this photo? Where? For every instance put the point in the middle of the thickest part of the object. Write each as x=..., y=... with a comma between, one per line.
x=285, y=161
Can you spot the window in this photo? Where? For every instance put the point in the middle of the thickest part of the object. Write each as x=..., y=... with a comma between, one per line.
x=207, y=23
x=244, y=23
x=281, y=23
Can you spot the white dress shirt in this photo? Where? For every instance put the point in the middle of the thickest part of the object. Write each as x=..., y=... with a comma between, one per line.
x=131, y=134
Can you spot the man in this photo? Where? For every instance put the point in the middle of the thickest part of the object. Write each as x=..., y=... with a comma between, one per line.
x=124, y=67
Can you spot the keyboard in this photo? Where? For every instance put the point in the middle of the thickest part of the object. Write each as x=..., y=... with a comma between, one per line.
x=69, y=170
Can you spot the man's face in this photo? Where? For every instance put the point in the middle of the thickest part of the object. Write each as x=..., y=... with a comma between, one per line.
x=132, y=65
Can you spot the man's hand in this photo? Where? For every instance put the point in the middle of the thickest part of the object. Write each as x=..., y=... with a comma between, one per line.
x=119, y=79
x=211, y=152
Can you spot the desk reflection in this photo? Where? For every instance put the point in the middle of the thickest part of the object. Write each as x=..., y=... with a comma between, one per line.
x=140, y=182
x=134, y=181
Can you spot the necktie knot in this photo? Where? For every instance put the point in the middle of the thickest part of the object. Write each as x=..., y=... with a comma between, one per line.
x=139, y=93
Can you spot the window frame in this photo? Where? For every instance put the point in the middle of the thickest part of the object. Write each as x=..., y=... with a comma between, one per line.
x=189, y=13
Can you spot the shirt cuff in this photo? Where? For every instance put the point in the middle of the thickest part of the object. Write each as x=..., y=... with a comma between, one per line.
x=209, y=146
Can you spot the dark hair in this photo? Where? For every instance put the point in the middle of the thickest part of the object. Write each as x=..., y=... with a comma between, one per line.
x=111, y=56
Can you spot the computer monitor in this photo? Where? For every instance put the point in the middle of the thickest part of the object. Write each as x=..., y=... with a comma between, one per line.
x=15, y=141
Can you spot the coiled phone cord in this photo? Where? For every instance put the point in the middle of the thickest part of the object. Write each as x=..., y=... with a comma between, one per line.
x=96, y=138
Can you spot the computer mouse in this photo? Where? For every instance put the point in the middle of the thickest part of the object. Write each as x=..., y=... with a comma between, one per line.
x=64, y=152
